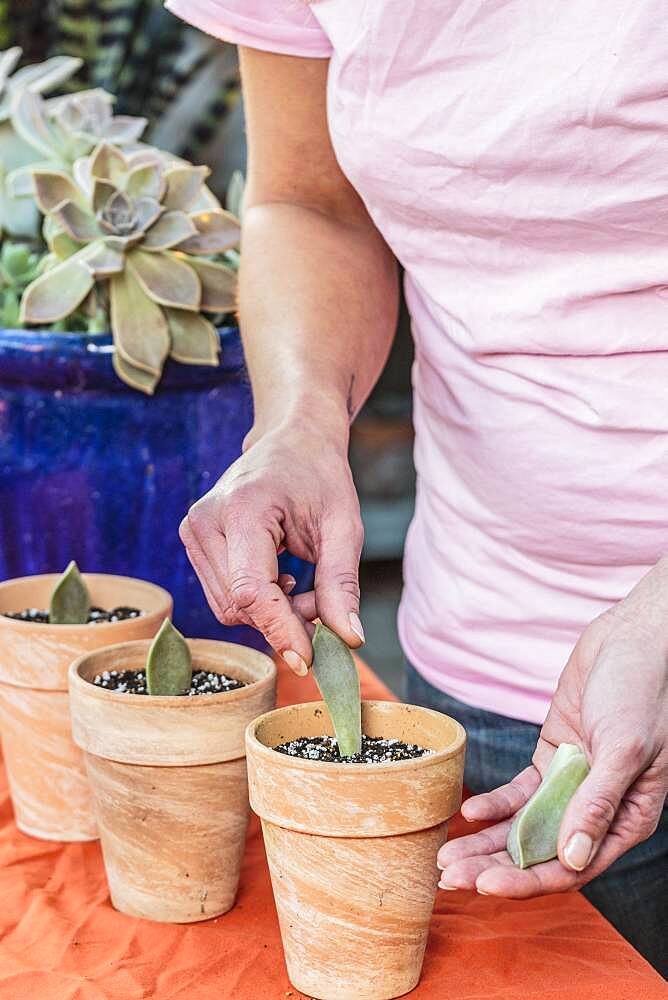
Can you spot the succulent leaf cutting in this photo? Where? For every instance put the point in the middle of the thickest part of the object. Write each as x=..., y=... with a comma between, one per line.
x=169, y=666
x=534, y=834
x=70, y=600
x=337, y=677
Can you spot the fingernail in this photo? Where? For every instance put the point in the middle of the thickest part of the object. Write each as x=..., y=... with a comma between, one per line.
x=481, y=892
x=440, y=867
x=579, y=850
x=295, y=662
x=447, y=888
x=356, y=626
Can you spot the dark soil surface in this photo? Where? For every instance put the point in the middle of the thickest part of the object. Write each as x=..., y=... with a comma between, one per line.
x=134, y=682
x=95, y=616
x=374, y=750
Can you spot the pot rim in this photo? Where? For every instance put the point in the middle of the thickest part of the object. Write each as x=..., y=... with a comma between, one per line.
x=45, y=628
x=154, y=702
x=254, y=745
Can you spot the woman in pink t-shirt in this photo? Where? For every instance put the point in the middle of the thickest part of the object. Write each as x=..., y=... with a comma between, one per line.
x=515, y=161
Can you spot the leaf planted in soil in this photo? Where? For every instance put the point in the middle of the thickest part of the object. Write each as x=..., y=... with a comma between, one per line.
x=336, y=675
x=70, y=600
x=534, y=834
x=169, y=666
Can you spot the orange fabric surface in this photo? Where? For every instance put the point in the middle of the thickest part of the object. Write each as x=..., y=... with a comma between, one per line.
x=60, y=939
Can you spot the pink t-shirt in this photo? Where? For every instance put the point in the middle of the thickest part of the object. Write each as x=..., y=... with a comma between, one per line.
x=514, y=155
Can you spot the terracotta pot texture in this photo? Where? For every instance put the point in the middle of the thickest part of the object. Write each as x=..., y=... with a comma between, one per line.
x=47, y=777
x=352, y=847
x=168, y=776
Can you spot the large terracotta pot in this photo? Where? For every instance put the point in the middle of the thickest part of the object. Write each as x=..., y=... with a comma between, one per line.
x=352, y=847
x=168, y=776
x=47, y=778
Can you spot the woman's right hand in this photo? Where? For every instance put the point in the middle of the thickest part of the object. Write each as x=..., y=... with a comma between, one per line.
x=292, y=488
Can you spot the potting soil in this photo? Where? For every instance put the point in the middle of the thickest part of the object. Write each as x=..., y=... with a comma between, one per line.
x=134, y=682
x=96, y=616
x=375, y=750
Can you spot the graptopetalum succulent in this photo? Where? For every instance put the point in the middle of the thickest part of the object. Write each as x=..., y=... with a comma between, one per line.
x=138, y=226
x=64, y=129
x=17, y=216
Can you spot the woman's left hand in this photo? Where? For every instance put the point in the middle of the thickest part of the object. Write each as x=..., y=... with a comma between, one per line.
x=612, y=700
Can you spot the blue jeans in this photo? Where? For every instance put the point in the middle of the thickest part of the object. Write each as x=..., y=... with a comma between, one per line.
x=633, y=893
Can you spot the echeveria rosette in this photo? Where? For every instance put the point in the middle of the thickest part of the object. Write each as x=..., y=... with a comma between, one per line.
x=135, y=222
x=64, y=129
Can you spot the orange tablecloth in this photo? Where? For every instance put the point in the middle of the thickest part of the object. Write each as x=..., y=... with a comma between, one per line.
x=60, y=939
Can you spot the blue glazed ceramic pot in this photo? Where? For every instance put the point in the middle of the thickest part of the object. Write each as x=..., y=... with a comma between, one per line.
x=94, y=471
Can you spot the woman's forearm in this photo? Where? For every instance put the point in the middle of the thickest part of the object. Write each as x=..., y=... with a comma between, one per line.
x=318, y=308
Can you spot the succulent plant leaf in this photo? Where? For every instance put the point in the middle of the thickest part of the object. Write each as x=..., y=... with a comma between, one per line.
x=216, y=232
x=31, y=124
x=337, y=677
x=136, y=378
x=170, y=230
x=103, y=260
x=169, y=663
x=219, y=286
x=57, y=240
x=183, y=186
x=534, y=832
x=57, y=292
x=70, y=600
x=194, y=338
x=139, y=326
x=79, y=224
x=20, y=183
x=39, y=77
x=103, y=191
x=8, y=62
x=52, y=188
x=146, y=181
x=234, y=196
x=148, y=211
x=125, y=129
x=166, y=279
x=107, y=163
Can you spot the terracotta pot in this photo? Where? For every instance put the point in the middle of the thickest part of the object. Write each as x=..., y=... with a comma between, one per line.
x=168, y=776
x=47, y=778
x=352, y=847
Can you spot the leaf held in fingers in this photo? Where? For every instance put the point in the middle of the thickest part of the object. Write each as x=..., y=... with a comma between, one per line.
x=337, y=677
x=534, y=834
x=169, y=665
x=70, y=600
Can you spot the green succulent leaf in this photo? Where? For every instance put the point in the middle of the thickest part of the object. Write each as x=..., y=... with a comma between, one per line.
x=104, y=260
x=219, y=286
x=534, y=833
x=70, y=600
x=170, y=230
x=136, y=378
x=146, y=181
x=169, y=663
x=103, y=191
x=57, y=240
x=79, y=224
x=57, y=292
x=194, y=338
x=52, y=188
x=139, y=326
x=47, y=75
x=184, y=185
x=337, y=677
x=30, y=122
x=216, y=232
x=166, y=279
x=108, y=163
x=234, y=196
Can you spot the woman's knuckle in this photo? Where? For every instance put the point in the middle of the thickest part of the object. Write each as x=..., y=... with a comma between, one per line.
x=245, y=591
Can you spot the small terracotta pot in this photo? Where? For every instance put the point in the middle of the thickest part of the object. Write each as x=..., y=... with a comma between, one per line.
x=47, y=778
x=168, y=776
x=352, y=847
